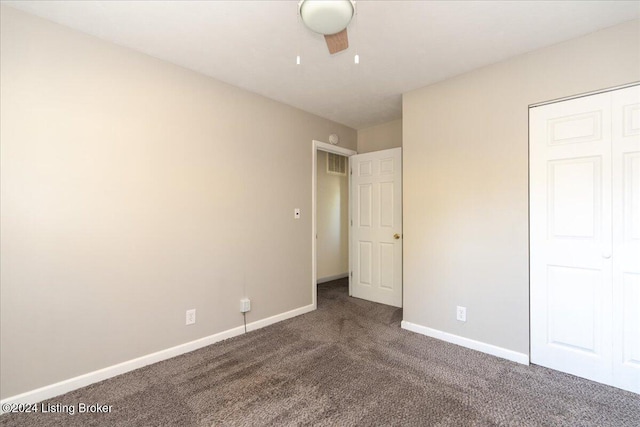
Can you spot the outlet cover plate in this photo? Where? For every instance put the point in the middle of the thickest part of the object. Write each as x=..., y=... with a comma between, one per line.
x=190, y=317
x=461, y=313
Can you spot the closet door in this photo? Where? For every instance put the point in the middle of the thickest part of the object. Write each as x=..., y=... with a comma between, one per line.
x=626, y=238
x=585, y=237
x=570, y=236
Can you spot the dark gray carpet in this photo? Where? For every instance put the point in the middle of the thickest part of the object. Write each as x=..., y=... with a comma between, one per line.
x=348, y=363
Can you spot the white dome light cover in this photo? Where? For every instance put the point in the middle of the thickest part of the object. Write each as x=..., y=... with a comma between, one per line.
x=326, y=16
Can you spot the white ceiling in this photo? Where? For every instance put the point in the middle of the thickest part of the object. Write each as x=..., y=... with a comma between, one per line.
x=402, y=45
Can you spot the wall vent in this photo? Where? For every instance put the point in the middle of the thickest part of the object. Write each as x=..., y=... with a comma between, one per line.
x=336, y=164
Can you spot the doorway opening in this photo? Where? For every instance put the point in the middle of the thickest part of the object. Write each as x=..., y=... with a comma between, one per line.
x=331, y=214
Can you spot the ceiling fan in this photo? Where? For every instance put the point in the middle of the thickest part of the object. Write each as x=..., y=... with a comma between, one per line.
x=329, y=18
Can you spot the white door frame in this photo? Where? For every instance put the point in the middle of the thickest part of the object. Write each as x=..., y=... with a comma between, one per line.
x=323, y=146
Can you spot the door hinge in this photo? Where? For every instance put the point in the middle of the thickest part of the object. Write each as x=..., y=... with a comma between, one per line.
x=351, y=171
x=351, y=274
x=352, y=223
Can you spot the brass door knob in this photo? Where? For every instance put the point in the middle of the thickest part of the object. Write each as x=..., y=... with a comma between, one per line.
x=396, y=236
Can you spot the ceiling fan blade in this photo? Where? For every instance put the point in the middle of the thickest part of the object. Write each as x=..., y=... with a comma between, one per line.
x=337, y=42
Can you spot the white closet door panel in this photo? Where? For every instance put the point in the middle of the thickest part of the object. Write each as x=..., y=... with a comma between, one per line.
x=576, y=291
x=626, y=238
x=575, y=211
x=570, y=198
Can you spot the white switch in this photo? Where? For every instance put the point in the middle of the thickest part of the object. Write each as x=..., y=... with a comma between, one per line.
x=296, y=213
x=461, y=313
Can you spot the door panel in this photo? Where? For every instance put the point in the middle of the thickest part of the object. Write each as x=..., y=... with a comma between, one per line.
x=386, y=204
x=570, y=189
x=631, y=319
x=387, y=261
x=631, y=196
x=574, y=211
x=364, y=205
x=625, y=106
x=574, y=312
x=575, y=128
x=377, y=181
x=364, y=257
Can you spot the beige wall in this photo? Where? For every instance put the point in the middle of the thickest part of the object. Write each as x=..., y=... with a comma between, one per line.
x=380, y=137
x=331, y=221
x=133, y=190
x=465, y=182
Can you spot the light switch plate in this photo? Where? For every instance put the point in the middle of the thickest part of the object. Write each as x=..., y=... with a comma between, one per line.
x=461, y=313
x=296, y=213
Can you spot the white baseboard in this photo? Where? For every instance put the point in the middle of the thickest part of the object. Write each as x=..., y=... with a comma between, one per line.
x=62, y=387
x=330, y=278
x=259, y=324
x=493, y=350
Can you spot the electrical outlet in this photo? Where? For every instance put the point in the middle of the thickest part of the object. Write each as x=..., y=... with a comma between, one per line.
x=191, y=317
x=245, y=305
x=461, y=313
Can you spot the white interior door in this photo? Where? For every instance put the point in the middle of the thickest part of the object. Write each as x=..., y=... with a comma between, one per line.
x=571, y=286
x=625, y=108
x=585, y=287
x=376, y=237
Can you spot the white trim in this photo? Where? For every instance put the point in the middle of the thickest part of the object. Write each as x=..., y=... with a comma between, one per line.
x=259, y=324
x=595, y=92
x=84, y=380
x=319, y=145
x=334, y=277
x=315, y=146
x=493, y=350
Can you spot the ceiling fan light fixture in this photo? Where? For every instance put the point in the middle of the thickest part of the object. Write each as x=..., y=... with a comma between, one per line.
x=326, y=16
